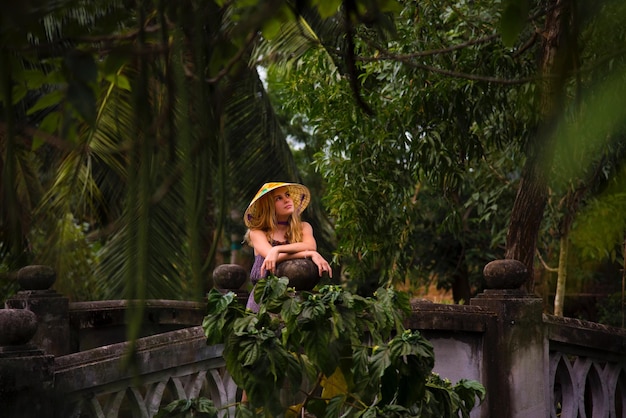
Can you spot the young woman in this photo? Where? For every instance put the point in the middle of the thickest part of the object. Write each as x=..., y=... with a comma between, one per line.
x=277, y=233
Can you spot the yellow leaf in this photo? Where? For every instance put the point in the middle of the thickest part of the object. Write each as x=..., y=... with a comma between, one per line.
x=334, y=385
x=294, y=411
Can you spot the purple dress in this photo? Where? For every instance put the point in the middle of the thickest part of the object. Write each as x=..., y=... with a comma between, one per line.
x=255, y=276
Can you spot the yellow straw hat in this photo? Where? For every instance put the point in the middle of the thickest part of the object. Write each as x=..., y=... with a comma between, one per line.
x=299, y=194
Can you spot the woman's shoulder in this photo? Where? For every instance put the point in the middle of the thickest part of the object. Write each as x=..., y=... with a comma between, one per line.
x=257, y=236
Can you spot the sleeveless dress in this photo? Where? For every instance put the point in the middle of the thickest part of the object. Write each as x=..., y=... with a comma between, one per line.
x=255, y=276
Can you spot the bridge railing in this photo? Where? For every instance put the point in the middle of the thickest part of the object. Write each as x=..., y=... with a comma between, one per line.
x=586, y=373
x=101, y=382
x=531, y=364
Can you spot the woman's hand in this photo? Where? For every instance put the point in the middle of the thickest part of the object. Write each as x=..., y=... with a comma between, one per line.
x=321, y=263
x=270, y=262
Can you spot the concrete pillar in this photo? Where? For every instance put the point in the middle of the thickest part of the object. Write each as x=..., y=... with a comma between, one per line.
x=231, y=278
x=301, y=272
x=50, y=307
x=26, y=372
x=514, y=350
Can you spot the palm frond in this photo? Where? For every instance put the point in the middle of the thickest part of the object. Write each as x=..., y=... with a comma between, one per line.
x=256, y=146
x=157, y=175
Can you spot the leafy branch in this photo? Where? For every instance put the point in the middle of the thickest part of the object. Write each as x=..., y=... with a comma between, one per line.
x=331, y=353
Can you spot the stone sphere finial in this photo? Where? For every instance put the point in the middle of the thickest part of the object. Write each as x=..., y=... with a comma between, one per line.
x=505, y=274
x=229, y=276
x=302, y=273
x=18, y=326
x=36, y=277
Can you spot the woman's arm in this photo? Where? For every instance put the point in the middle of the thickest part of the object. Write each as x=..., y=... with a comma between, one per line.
x=320, y=262
x=262, y=247
x=275, y=254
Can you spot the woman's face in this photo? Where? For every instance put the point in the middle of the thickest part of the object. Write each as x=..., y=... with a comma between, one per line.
x=283, y=204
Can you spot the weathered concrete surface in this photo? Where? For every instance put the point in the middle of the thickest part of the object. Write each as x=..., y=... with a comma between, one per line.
x=302, y=273
x=18, y=327
x=515, y=346
x=99, y=323
x=501, y=339
x=26, y=383
x=51, y=308
x=229, y=276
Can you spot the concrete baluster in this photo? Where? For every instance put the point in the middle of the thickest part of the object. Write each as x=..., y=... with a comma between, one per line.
x=50, y=307
x=231, y=278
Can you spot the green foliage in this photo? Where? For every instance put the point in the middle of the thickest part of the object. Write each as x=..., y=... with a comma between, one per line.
x=611, y=310
x=600, y=229
x=73, y=255
x=421, y=188
x=139, y=118
x=189, y=408
x=332, y=353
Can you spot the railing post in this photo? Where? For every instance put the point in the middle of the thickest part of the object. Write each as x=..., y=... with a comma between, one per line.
x=231, y=278
x=50, y=307
x=302, y=274
x=26, y=372
x=515, y=349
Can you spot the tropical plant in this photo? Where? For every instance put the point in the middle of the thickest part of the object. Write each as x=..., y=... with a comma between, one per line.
x=331, y=353
x=151, y=131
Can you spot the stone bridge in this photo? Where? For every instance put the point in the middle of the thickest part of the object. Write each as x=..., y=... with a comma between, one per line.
x=61, y=359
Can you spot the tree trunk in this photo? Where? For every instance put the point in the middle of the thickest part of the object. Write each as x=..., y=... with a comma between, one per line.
x=461, y=292
x=526, y=218
x=559, y=297
x=569, y=207
x=527, y=213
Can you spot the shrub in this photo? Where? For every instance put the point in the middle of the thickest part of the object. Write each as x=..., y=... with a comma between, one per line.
x=331, y=353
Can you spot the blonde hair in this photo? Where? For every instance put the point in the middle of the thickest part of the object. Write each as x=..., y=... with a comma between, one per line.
x=265, y=220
